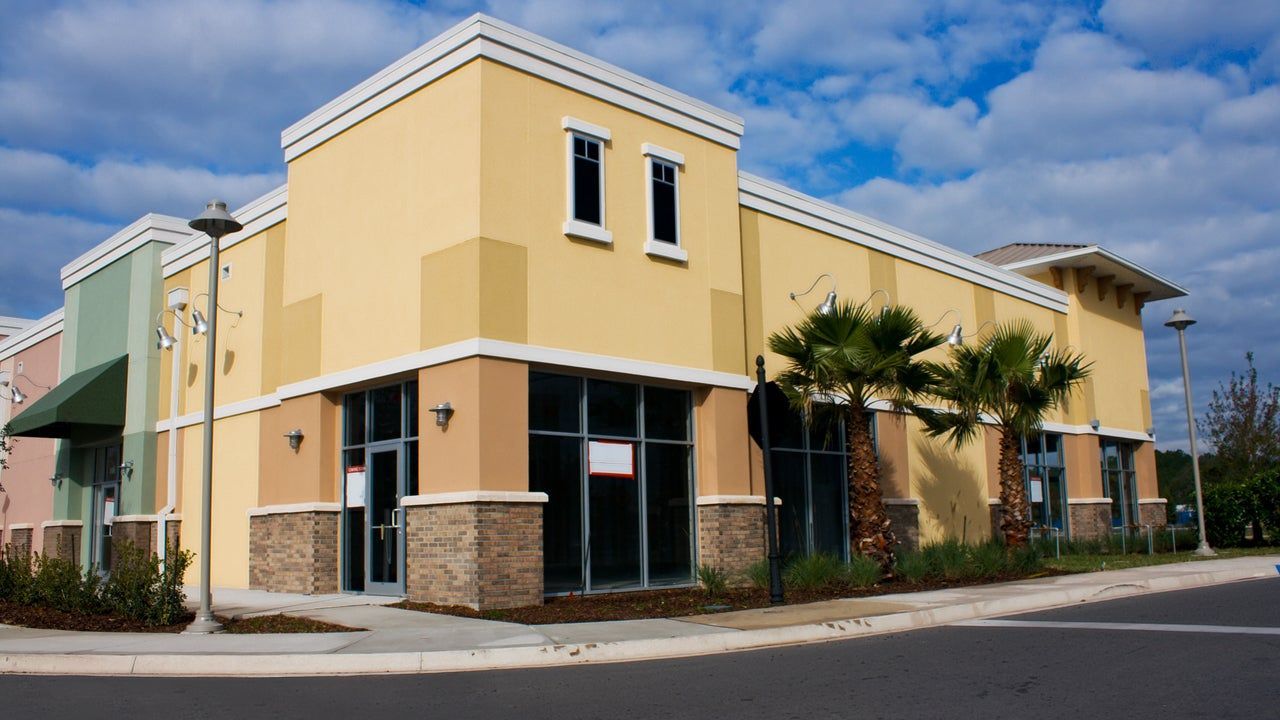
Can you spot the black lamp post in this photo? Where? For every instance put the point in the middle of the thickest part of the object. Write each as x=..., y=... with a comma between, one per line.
x=770, y=514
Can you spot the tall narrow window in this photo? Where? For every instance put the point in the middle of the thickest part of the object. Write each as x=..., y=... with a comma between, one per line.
x=585, y=192
x=588, y=203
x=663, y=175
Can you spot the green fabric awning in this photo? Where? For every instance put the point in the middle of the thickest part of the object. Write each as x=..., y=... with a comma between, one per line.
x=86, y=406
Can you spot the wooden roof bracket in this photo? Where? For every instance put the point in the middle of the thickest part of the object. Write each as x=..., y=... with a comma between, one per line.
x=1104, y=284
x=1122, y=293
x=1082, y=277
x=1139, y=299
x=1056, y=273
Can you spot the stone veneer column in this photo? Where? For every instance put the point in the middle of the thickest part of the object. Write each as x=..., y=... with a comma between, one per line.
x=1090, y=518
x=294, y=548
x=731, y=533
x=904, y=519
x=1153, y=511
x=481, y=549
x=137, y=529
x=21, y=535
x=62, y=539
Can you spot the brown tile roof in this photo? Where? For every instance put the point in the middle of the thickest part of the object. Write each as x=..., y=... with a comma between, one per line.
x=1017, y=252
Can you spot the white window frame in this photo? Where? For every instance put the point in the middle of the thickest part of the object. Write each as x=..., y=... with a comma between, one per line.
x=652, y=246
x=572, y=226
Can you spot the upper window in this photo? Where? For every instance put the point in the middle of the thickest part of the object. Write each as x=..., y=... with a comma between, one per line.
x=586, y=181
x=663, y=172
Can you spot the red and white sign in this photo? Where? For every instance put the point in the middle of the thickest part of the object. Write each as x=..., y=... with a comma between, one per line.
x=611, y=459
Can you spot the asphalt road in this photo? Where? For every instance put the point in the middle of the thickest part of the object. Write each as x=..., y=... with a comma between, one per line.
x=1025, y=666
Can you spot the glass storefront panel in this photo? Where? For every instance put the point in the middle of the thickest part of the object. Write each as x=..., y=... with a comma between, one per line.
x=615, y=532
x=669, y=512
x=555, y=468
x=789, y=486
x=1044, y=477
x=828, y=502
x=611, y=408
x=666, y=414
x=554, y=403
x=385, y=418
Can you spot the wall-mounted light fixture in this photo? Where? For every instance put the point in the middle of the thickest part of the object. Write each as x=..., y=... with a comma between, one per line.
x=16, y=396
x=827, y=305
x=56, y=480
x=1095, y=424
x=957, y=336
x=200, y=324
x=126, y=468
x=295, y=438
x=887, y=299
x=443, y=412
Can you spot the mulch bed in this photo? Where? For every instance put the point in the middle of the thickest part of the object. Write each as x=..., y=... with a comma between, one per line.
x=35, y=616
x=682, y=602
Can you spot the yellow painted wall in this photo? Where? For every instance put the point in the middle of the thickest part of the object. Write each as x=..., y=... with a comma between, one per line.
x=611, y=300
x=952, y=487
x=235, y=490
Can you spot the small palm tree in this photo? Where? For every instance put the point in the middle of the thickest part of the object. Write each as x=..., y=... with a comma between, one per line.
x=1013, y=378
x=857, y=355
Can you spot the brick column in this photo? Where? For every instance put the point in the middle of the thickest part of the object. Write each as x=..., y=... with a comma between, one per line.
x=62, y=539
x=20, y=538
x=482, y=549
x=137, y=529
x=904, y=519
x=1153, y=511
x=731, y=532
x=1090, y=518
x=294, y=548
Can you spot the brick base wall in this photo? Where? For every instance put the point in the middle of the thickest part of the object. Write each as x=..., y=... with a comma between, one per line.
x=20, y=540
x=731, y=537
x=904, y=520
x=173, y=530
x=1090, y=521
x=1154, y=514
x=485, y=555
x=142, y=533
x=63, y=541
x=294, y=552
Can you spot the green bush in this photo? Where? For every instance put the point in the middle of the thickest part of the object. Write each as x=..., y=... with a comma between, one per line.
x=862, y=571
x=757, y=574
x=60, y=584
x=913, y=567
x=948, y=559
x=712, y=579
x=139, y=590
x=15, y=576
x=1226, y=513
x=811, y=572
x=1266, y=498
x=1024, y=561
x=988, y=560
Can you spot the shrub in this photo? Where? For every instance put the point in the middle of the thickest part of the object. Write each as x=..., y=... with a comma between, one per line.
x=1266, y=498
x=862, y=571
x=989, y=559
x=15, y=576
x=138, y=589
x=1024, y=561
x=1226, y=513
x=813, y=571
x=757, y=574
x=947, y=559
x=712, y=579
x=60, y=584
x=913, y=567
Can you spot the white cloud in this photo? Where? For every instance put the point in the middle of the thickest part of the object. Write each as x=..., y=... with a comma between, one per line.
x=1167, y=28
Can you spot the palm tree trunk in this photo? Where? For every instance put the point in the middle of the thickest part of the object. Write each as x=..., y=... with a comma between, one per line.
x=869, y=531
x=1015, y=521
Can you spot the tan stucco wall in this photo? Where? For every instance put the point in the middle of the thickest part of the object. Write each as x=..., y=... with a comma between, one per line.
x=311, y=473
x=722, y=439
x=486, y=444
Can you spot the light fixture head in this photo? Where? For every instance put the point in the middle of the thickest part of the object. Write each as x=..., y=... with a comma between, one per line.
x=199, y=326
x=1095, y=424
x=295, y=438
x=1180, y=320
x=956, y=338
x=828, y=305
x=18, y=397
x=215, y=221
x=443, y=412
x=164, y=340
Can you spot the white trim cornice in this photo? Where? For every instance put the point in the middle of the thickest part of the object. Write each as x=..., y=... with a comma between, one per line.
x=1088, y=501
x=1152, y=501
x=294, y=508
x=258, y=215
x=22, y=526
x=780, y=201
x=473, y=496
x=135, y=518
x=39, y=331
x=733, y=500
x=148, y=228
x=481, y=36
x=61, y=523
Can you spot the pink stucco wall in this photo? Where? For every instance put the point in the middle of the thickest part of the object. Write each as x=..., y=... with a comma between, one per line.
x=28, y=494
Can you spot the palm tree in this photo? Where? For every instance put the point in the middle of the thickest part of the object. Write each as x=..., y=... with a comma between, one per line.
x=857, y=355
x=1013, y=378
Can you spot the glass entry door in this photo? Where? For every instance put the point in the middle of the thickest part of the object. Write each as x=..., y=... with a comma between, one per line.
x=384, y=539
x=106, y=504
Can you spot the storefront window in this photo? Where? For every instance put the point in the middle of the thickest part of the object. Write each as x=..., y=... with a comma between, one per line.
x=1044, y=472
x=616, y=461
x=1119, y=482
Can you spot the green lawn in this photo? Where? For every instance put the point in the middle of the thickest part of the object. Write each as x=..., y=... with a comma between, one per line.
x=1090, y=563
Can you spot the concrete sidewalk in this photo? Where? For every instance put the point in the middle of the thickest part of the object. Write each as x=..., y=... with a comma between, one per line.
x=403, y=641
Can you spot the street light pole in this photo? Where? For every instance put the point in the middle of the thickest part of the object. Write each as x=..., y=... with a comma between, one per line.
x=215, y=222
x=1180, y=321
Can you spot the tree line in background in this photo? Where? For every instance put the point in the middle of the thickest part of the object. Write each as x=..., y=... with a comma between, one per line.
x=1241, y=476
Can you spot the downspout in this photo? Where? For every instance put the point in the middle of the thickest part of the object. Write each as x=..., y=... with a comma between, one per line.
x=171, y=489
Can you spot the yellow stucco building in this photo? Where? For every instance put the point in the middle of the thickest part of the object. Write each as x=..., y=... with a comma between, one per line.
x=495, y=339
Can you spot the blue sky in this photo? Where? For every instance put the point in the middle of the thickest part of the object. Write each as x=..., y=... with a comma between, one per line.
x=1149, y=126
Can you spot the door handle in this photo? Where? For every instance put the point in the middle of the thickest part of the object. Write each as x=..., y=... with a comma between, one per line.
x=395, y=518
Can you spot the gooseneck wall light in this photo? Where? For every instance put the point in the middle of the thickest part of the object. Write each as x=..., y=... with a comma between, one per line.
x=16, y=396
x=215, y=222
x=829, y=303
x=1180, y=321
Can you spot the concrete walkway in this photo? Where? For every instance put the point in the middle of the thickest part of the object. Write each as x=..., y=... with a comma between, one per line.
x=399, y=641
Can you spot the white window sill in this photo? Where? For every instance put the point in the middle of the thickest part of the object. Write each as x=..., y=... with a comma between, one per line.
x=587, y=231
x=657, y=248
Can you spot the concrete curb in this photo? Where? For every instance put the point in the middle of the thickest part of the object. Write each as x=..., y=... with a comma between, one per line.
x=227, y=665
